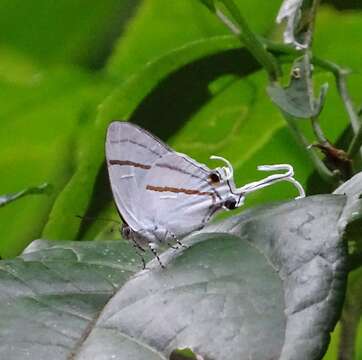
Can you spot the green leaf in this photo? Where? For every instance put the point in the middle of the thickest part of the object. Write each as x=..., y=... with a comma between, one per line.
x=342, y=29
x=45, y=113
x=210, y=4
x=52, y=293
x=139, y=45
x=264, y=284
x=297, y=98
x=183, y=354
x=79, y=32
x=8, y=198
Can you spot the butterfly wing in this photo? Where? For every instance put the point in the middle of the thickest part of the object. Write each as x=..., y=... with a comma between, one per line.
x=130, y=153
x=179, y=195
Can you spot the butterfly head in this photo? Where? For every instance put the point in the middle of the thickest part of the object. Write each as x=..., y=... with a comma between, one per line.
x=126, y=231
x=222, y=179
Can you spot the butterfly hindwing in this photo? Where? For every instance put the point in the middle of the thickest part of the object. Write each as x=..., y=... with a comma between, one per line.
x=179, y=195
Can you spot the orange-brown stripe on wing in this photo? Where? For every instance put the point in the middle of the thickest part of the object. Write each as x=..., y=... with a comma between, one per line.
x=129, y=163
x=179, y=190
x=213, y=207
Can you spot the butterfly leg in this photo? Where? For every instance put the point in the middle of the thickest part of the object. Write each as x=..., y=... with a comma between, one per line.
x=164, y=236
x=153, y=247
x=138, y=248
x=172, y=246
x=181, y=244
x=176, y=240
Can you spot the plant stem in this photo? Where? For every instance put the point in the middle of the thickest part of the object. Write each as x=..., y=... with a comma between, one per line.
x=343, y=91
x=318, y=132
x=340, y=75
x=250, y=40
x=355, y=144
x=6, y=199
x=312, y=16
x=321, y=168
x=229, y=24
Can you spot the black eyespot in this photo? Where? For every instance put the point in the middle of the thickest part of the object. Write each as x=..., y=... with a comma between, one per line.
x=214, y=178
x=230, y=203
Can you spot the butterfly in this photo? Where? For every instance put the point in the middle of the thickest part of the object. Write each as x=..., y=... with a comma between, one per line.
x=163, y=195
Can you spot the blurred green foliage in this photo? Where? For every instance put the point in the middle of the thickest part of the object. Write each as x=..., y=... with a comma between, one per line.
x=68, y=68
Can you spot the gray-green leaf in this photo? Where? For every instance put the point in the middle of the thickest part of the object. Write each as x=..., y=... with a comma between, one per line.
x=266, y=284
x=352, y=214
x=297, y=99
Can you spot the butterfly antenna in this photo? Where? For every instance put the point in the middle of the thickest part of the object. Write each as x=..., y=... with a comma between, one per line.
x=97, y=219
x=272, y=179
x=228, y=169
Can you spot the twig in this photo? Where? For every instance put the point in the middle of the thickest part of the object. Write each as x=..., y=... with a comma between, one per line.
x=312, y=17
x=355, y=144
x=249, y=39
x=340, y=75
x=6, y=199
x=226, y=21
x=318, y=132
x=341, y=78
x=319, y=165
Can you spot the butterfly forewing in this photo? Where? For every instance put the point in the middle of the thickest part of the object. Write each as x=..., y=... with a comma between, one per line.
x=130, y=153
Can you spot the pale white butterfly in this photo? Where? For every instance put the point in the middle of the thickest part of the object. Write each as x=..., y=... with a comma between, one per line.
x=163, y=195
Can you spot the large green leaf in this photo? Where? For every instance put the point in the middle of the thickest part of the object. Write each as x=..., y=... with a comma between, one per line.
x=266, y=284
x=65, y=31
x=341, y=29
x=53, y=293
x=168, y=21
x=42, y=117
